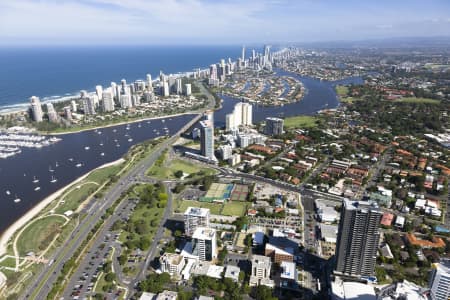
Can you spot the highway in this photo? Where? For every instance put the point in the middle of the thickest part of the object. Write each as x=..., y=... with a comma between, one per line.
x=49, y=274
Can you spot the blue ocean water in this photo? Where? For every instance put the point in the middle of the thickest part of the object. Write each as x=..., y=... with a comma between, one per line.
x=56, y=71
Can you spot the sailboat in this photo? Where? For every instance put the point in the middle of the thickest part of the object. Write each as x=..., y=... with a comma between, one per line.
x=50, y=169
x=56, y=164
x=8, y=192
x=37, y=188
x=17, y=199
x=35, y=180
x=53, y=179
x=78, y=165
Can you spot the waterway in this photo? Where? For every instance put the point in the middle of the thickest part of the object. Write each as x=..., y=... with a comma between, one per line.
x=17, y=172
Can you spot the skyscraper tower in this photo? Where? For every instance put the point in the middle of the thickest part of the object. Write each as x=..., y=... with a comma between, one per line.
x=207, y=137
x=36, y=109
x=243, y=54
x=99, y=92
x=149, y=82
x=123, y=86
x=440, y=281
x=358, y=238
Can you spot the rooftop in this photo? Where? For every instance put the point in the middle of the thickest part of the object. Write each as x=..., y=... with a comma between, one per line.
x=204, y=233
x=197, y=211
x=352, y=290
x=261, y=261
x=288, y=270
x=232, y=272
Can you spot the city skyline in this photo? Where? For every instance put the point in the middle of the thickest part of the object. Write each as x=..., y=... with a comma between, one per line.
x=97, y=22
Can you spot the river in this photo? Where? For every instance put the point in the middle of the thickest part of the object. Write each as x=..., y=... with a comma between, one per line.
x=17, y=172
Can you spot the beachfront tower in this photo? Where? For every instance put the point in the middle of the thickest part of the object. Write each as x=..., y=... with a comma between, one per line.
x=99, y=92
x=36, y=109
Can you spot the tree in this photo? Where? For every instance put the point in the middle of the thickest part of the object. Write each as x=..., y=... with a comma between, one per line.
x=122, y=259
x=110, y=277
x=262, y=292
x=178, y=174
x=154, y=283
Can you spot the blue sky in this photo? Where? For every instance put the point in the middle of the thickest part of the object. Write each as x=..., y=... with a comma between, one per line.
x=32, y=22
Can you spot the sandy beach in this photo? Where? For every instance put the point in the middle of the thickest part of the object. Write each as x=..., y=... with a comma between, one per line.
x=8, y=233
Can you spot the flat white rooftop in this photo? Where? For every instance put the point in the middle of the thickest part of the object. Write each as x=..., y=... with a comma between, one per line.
x=197, y=211
x=352, y=291
x=204, y=233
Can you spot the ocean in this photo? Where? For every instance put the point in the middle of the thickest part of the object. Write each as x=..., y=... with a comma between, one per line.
x=54, y=72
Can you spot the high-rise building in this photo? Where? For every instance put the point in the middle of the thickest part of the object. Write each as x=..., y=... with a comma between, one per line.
x=165, y=89
x=125, y=101
x=440, y=281
x=68, y=113
x=243, y=53
x=195, y=217
x=114, y=90
x=274, y=126
x=36, y=109
x=358, y=238
x=207, y=139
x=108, y=101
x=242, y=115
x=204, y=243
x=123, y=86
x=88, y=106
x=213, y=72
x=51, y=113
x=188, y=89
x=99, y=92
x=225, y=151
x=73, y=106
x=149, y=82
x=179, y=86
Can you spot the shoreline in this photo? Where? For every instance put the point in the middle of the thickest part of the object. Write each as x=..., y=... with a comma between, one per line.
x=35, y=210
x=118, y=124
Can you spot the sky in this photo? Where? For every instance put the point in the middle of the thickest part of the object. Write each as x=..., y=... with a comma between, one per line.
x=97, y=22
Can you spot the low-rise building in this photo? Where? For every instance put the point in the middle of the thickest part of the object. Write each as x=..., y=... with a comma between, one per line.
x=260, y=275
x=289, y=275
x=278, y=254
x=232, y=272
x=172, y=263
x=167, y=295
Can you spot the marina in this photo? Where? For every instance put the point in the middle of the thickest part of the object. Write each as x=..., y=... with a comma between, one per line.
x=11, y=143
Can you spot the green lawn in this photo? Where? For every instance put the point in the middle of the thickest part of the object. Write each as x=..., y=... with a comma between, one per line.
x=234, y=208
x=39, y=235
x=418, y=100
x=300, y=122
x=76, y=196
x=348, y=100
x=8, y=262
x=167, y=172
x=341, y=90
x=215, y=208
x=101, y=175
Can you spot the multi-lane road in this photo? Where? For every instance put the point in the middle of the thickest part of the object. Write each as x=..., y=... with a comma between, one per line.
x=43, y=282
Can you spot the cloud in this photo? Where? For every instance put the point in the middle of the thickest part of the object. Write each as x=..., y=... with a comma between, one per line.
x=203, y=21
